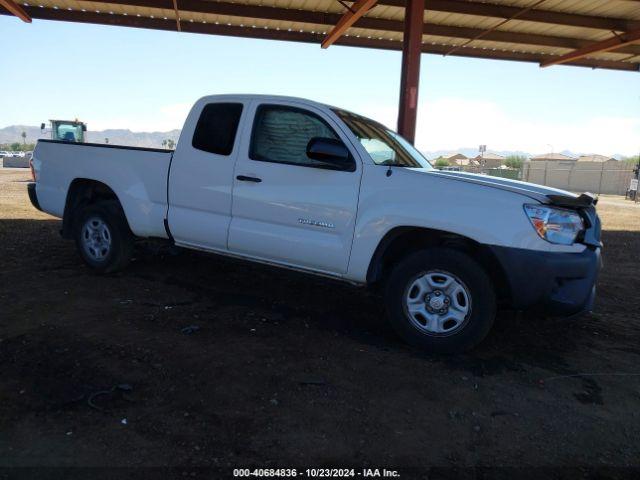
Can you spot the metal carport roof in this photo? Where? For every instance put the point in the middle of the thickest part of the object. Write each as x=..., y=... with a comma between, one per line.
x=587, y=33
x=502, y=29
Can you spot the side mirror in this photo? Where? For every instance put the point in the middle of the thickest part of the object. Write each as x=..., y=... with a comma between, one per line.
x=42, y=126
x=84, y=127
x=330, y=151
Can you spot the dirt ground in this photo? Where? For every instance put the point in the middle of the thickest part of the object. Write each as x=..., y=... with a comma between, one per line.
x=285, y=370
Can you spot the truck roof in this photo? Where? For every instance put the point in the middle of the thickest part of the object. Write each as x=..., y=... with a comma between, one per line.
x=68, y=121
x=255, y=96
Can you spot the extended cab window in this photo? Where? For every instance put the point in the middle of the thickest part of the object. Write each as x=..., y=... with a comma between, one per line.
x=217, y=127
x=281, y=134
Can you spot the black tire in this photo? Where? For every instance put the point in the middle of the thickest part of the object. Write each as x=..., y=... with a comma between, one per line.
x=478, y=321
x=120, y=248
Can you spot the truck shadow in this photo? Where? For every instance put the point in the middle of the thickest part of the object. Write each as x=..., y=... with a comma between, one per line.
x=35, y=258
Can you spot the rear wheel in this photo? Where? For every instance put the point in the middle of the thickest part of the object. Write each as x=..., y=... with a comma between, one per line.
x=103, y=237
x=440, y=300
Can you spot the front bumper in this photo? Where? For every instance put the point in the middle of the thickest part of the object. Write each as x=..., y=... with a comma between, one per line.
x=558, y=284
x=33, y=196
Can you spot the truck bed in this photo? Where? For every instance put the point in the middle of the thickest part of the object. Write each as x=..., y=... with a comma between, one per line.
x=137, y=175
x=107, y=145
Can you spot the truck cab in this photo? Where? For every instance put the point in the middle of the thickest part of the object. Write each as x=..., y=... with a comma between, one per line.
x=66, y=130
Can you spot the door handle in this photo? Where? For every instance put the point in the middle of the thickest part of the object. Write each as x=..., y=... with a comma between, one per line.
x=244, y=178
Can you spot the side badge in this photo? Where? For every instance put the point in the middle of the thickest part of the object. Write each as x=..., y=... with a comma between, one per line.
x=315, y=223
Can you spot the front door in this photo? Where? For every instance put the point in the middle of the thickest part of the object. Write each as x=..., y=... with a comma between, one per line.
x=288, y=208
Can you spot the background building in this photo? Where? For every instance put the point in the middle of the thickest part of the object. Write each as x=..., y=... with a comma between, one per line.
x=490, y=160
x=552, y=157
x=596, y=158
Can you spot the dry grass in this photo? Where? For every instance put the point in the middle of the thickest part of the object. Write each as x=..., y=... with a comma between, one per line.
x=619, y=214
x=14, y=201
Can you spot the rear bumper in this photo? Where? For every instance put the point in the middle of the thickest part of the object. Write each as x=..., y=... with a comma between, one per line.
x=558, y=284
x=33, y=196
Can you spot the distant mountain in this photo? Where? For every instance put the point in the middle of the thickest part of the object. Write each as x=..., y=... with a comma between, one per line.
x=116, y=137
x=13, y=133
x=133, y=139
x=473, y=152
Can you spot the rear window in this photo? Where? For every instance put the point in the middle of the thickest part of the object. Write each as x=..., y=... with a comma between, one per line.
x=217, y=127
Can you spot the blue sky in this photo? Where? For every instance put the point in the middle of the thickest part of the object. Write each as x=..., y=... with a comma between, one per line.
x=146, y=80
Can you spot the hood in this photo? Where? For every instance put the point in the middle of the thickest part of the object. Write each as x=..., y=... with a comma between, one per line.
x=540, y=193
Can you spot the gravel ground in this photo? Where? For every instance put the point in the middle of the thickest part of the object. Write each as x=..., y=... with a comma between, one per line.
x=287, y=370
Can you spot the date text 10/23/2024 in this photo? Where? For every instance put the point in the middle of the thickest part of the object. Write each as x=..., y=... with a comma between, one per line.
x=316, y=473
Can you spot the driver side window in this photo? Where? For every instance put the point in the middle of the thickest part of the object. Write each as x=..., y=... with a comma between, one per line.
x=281, y=135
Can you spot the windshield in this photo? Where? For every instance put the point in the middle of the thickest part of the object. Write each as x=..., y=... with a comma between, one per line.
x=70, y=132
x=384, y=146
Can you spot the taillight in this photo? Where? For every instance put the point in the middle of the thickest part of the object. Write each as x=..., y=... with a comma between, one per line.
x=33, y=172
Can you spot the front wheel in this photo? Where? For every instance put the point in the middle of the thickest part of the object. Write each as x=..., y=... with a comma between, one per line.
x=440, y=300
x=103, y=237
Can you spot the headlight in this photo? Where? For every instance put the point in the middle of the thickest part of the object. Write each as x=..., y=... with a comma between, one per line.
x=555, y=225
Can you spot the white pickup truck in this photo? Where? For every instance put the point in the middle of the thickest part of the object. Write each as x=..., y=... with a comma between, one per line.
x=298, y=184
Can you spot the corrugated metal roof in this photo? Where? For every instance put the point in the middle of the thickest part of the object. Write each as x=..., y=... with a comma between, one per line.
x=551, y=29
